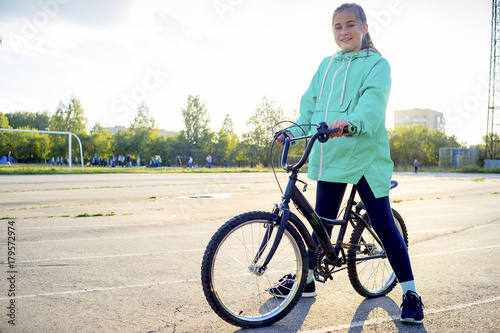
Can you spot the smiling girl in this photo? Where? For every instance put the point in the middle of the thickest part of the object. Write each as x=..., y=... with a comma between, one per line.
x=352, y=87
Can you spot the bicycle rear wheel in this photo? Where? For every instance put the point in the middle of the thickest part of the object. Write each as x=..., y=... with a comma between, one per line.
x=232, y=284
x=371, y=277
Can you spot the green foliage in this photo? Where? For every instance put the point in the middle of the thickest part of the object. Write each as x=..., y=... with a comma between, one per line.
x=4, y=121
x=196, y=139
x=29, y=120
x=227, y=141
x=98, y=142
x=258, y=141
x=69, y=118
x=30, y=147
x=418, y=142
x=140, y=140
x=197, y=133
x=5, y=138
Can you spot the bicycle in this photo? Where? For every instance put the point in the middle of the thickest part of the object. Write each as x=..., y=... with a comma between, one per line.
x=249, y=255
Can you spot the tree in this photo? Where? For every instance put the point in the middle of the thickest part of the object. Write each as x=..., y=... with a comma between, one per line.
x=227, y=140
x=143, y=133
x=30, y=147
x=260, y=137
x=5, y=138
x=197, y=133
x=68, y=118
x=99, y=142
x=140, y=138
x=29, y=120
x=143, y=120
x=418, y=142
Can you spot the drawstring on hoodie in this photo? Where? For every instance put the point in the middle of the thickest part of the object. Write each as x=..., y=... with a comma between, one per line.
x=333, y=80
x=345, y=79
x=330, y=95
x=324, y=78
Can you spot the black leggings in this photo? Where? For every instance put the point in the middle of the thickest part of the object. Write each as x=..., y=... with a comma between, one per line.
x=328, y=200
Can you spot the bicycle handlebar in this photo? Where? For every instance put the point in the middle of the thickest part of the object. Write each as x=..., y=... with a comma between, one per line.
x=322, y=134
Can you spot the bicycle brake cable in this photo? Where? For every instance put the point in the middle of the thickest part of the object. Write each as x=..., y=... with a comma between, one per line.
x=272, y=145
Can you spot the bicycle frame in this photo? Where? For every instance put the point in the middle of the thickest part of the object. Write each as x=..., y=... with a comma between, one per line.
x=318, y=223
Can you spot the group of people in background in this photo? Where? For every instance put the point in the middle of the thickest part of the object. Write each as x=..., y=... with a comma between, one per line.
x=113, y=161
x=155, y=161
x=208, y=164
x=59, y=161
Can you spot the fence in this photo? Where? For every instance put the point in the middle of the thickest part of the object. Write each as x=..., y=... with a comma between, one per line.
x=458, y=157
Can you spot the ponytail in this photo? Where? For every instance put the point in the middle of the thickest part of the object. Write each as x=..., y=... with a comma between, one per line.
x=367, y=43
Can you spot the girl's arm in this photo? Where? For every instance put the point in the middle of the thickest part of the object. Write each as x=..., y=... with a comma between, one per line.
x=369, y=113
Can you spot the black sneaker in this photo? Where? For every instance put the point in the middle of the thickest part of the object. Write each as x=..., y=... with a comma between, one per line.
x=412, y=309
x=286, y=284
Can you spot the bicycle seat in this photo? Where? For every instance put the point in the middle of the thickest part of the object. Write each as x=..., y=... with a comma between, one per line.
x=360, y=205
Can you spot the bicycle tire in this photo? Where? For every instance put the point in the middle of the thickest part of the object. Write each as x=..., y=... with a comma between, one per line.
x=372, y=277
x=235, y=292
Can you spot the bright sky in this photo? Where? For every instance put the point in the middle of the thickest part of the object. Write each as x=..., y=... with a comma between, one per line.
x=114, y=54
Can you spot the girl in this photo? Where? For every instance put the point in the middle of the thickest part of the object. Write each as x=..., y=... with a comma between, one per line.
x=352, y=87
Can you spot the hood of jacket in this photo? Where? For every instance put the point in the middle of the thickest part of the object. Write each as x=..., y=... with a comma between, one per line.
x=345, y=57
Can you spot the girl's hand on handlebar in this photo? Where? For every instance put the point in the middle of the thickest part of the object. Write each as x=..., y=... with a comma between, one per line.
x=281, y=138
x=338, y=124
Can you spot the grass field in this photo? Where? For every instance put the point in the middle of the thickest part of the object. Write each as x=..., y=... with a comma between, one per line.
x=41, y=169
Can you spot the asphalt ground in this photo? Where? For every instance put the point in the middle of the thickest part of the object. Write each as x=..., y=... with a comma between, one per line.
x=122, y=253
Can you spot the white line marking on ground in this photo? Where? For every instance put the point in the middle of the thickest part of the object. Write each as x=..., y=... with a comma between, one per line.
x=364, y=323
x=455, y=251
x=400, y=206
x=187, y=280
x=201, y=250
x=114, y=237
x=90, y=226
x=197, y=233
x=113, y=255
x=476, y=212
x=104, y=289
x=452, y=229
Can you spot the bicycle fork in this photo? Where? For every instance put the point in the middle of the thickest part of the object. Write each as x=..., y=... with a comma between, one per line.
x=283, y=216
x=254, y=268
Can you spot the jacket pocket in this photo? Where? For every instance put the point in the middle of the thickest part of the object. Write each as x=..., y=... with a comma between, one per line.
x=334, y=107
x=334, y=112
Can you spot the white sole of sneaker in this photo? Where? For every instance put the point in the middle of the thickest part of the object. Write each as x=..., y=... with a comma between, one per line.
x=411, y=321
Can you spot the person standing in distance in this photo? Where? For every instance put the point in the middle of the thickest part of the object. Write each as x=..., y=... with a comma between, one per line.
x=352, y=87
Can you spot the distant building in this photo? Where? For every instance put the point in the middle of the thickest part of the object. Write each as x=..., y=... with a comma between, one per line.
x=422, y=117
x=113, y=130
x=167, y=133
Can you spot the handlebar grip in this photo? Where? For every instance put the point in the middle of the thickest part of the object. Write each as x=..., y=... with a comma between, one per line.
x=349, y=129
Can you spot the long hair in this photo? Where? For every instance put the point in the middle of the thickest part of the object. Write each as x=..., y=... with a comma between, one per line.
x=366, y=42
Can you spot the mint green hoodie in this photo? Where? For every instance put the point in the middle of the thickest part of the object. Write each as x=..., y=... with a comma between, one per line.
x=354, y=87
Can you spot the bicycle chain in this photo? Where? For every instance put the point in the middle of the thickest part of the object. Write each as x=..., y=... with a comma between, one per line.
x=322, y=268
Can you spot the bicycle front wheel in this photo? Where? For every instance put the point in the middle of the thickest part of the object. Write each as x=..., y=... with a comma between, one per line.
x=234, y=287
x=370, y=272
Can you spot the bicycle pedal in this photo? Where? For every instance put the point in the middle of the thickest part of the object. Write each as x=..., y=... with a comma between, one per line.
x=350, y=246
x=319, y=278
